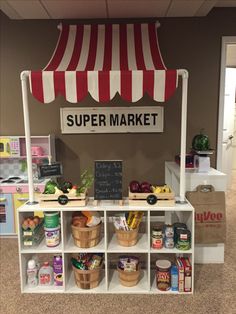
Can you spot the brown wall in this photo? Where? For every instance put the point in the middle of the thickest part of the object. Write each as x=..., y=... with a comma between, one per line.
x=191, y=43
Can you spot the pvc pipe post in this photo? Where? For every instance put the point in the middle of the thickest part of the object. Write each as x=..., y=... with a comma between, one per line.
x=184, y=74
x=24, y=75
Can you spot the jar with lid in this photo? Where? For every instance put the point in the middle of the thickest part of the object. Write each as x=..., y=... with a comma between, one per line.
x=157, y=239
x=163, y=276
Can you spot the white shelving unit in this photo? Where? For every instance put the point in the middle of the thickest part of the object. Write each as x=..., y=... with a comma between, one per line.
x=108, y=245
x=204, y=253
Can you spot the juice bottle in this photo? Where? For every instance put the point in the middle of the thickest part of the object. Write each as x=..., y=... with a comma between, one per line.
x=174, y=278
x=46, y=275
x=32, y=271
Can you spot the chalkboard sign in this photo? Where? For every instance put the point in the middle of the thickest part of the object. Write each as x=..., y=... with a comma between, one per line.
x=53, y=170
x=108, y=180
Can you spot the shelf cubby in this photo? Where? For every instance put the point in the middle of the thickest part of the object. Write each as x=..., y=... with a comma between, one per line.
x=42, y=257
x=70, y=246
x=41, y=247
x=112, y=243
x=70, y=283
x=172, y=258
x=114, y=285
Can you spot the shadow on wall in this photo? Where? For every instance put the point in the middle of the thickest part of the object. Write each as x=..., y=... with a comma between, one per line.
x=64, y=152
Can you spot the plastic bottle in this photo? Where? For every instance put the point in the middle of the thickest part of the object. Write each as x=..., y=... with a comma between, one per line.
x=36, y=259
x=174, y=278
x=46, y=275
x=32, y=271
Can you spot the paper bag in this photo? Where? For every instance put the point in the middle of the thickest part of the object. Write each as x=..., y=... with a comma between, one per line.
x=210, y=221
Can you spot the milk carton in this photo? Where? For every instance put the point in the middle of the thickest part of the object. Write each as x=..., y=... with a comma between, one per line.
x=57, y=270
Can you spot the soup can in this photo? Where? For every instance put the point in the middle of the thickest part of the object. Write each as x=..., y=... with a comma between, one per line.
x=183, y=240
x=157, y=239
x=51, y=219
x=169, y=243
x=163, y=275
x=169, y=231
x=52, y=236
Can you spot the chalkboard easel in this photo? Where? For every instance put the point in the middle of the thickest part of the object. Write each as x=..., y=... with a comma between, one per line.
x=108, y=181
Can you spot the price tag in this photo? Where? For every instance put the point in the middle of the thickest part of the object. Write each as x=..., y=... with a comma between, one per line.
x=63, y=199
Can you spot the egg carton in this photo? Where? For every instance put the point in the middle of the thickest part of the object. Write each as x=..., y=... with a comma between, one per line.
x=32, y=237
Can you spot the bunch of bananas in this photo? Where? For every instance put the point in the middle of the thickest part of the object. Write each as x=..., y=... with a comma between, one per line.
x=161, y=189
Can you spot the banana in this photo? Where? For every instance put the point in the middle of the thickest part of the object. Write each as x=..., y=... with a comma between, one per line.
x=158, y=189
x=166, y=189
x=153, y=188
x=161, y=189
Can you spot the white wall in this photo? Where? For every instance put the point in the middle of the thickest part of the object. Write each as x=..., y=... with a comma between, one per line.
x=234, y=141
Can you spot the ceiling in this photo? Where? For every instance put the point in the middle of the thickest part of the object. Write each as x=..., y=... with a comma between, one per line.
x=81, y=9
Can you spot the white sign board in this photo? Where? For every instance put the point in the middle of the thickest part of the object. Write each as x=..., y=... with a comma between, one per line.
x=112, y=120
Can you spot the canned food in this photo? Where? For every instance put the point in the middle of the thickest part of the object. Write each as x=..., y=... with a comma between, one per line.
x=169, y=231
x=157, y=239
x=163, y=275
x=183, y=240
x=178, y=226
x=169, y=243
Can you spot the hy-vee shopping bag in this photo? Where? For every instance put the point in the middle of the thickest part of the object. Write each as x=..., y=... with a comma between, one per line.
x=210, y=225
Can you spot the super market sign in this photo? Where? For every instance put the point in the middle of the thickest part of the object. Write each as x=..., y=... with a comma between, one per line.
x=112, y=120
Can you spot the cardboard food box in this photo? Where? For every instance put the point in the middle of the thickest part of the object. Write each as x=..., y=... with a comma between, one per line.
x=181, y=274
x=187, y=274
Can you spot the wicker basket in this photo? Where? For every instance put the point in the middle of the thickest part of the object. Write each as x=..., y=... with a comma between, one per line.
x=128, y=278
x=86, y=237
x=127, y=238
x=87, y=279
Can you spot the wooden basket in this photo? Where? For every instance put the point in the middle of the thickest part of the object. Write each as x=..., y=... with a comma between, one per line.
x=86, y=237
x=127, y=238
x=51, y=200
x=163, y=199
x=87, y=279
x=128, y=278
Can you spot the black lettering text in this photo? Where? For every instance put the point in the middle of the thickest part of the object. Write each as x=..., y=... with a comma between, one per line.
x=70, y=120
x=138, y=119
x=154, y=115
x=130, y=118
x=78, y=123
x=86, y=119
x=114, y=119
x=122, y=120
x=146, y=118
x=102, y=120
x=94, y=120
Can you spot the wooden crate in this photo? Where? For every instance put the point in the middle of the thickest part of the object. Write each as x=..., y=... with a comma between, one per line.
x=51, y=200
x=163, y=199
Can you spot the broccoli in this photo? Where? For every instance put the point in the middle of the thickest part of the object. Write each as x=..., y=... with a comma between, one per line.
x=50, y=187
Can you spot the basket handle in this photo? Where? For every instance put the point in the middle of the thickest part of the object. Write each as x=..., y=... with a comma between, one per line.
x=205, y=188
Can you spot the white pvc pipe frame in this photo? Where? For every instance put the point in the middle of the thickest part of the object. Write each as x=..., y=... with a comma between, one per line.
x=181, y=72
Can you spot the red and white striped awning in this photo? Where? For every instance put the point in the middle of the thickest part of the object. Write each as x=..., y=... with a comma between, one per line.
x=104, y=60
